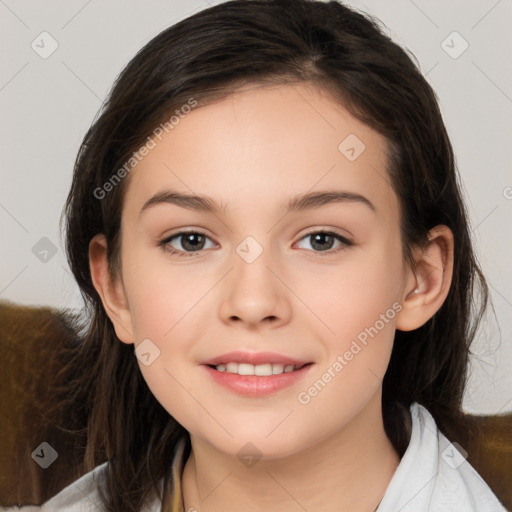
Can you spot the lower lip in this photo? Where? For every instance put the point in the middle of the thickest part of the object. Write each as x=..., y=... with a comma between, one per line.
x=257, y=386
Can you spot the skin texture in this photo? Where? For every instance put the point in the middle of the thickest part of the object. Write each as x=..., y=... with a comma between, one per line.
x=251, y=153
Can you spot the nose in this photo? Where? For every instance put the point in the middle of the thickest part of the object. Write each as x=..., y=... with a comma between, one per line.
x=254, y=295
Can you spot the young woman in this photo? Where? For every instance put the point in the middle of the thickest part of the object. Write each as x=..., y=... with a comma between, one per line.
x=266, y=223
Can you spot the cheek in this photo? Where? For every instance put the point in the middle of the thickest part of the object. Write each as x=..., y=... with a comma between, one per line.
x=360, y=308
x=353, y=295
x=164, y=306
x=160, y=294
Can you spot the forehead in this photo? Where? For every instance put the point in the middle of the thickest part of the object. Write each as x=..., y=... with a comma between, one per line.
x=264, y=143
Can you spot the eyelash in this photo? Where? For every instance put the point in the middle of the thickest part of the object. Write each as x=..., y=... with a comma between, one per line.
x=184, y=254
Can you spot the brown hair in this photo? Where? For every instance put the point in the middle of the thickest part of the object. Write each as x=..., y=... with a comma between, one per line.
x=206, y=56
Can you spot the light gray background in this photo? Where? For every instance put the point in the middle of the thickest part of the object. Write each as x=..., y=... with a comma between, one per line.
x=48, y=104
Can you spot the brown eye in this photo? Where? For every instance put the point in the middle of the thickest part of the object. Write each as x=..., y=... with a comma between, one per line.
x=192, y=241
x=185, y=242
x=322, y=241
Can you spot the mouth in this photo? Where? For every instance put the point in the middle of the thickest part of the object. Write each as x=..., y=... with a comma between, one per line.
x=256, y=374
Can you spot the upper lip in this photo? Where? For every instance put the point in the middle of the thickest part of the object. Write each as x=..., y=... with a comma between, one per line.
x=254, y=358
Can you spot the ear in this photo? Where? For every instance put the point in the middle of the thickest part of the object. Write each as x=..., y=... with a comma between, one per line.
x=110, y=289
x=428, y=283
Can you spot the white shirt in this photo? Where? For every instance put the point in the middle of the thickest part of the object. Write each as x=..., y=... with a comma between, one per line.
x=432, y=476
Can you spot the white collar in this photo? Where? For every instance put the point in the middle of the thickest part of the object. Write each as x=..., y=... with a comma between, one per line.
x=434, y=476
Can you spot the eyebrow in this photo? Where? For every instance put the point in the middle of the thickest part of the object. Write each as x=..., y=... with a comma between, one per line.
x=298, y=203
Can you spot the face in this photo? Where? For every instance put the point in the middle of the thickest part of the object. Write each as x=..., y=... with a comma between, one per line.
x=319, y=283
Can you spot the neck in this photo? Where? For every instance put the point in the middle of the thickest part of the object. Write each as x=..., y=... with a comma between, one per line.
x=348, y=471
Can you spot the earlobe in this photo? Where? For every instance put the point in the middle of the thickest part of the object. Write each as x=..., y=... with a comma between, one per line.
x=109, y=289
x=428, y=284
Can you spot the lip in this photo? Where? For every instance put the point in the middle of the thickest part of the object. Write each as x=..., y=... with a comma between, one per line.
x=254, y=385
x=257, y=386
x=254, y=358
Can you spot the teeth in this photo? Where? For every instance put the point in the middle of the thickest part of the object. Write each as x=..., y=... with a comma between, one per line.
x=259, y=369
x=246, y=369
x=232, y=367
x=263, y=369
x=277, y=368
